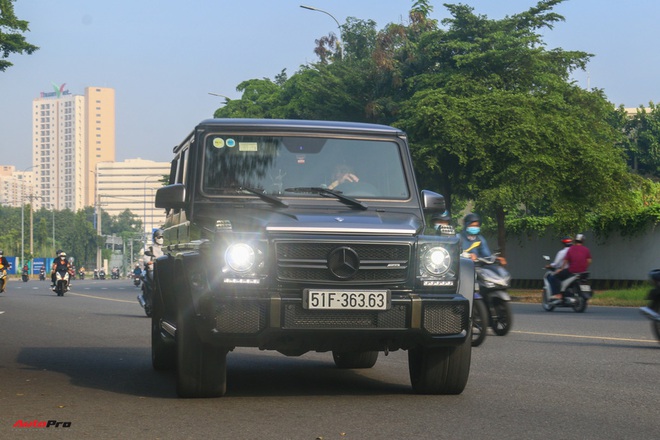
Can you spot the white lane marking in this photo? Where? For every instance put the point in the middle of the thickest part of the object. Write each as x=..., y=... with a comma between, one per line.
x=100, y=297
x=605, y=338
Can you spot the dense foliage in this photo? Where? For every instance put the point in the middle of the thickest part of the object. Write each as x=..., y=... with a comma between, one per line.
x=74, y=233
x=492, y=115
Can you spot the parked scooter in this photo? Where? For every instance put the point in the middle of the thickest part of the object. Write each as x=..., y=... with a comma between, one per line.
x=652, y=311
x=61, y=282
x=576, y=289
x=102, y=274
x=494, y=281
x=115, y=273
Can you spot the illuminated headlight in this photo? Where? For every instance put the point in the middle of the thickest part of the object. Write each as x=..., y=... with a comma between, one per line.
x=240, y=257
x=436, y=260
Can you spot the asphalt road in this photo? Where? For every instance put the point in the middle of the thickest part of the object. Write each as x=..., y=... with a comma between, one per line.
x=84, y=360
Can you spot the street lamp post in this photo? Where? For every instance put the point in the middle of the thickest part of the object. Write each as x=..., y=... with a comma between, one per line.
x=312, y=8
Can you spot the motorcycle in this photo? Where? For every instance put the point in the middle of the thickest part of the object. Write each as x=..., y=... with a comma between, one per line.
x=147, y=285
x=42, y=274
x=101, y=274
x=479, y=320
x=81, y=275
x=61, y=282
x=652, y=311
x=25, y=275
x=3, y=277
x=136, y=280
x=115, y=274
x=494, y=280
x=576, y=288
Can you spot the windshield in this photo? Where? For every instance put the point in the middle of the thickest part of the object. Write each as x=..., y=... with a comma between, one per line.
x=299, y=166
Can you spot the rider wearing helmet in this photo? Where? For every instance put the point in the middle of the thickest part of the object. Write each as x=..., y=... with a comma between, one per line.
x=472, y=242
x=59, y=265
x=561, y=254
x=4, y=266
x=577, y=260
x=441, y=224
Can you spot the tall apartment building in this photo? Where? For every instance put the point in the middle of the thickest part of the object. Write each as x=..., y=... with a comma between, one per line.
x=70, y=135
x=16, y=187
x=132, y=185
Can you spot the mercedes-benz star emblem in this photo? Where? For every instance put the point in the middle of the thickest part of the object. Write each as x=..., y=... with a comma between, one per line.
x=343, y=262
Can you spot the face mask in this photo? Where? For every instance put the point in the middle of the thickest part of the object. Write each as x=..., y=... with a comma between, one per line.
x=473, y=230
x=159, y=240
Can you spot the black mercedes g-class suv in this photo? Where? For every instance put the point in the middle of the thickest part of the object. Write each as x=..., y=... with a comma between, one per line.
x=301, y=236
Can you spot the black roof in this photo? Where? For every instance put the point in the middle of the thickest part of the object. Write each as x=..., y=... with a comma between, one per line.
x=302, y=125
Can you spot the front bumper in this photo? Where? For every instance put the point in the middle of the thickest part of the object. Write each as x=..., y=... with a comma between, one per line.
x=279, y=323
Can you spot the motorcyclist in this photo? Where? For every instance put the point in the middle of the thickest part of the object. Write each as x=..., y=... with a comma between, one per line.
x=59, y=265
x=137, y=272
x=4, y=267
x=561, y=254
x=441, y=223
x=472, y=242
x=577, y=260
x=154, y=251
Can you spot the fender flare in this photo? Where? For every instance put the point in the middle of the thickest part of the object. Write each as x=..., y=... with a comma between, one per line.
x=467, y=279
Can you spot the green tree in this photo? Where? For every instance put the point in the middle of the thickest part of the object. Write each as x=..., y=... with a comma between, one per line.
x=11, y=38
x=495, y=116
x=643, y=140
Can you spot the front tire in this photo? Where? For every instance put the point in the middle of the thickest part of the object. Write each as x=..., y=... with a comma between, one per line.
x=479, y=322
x=201, y=367
x=545, y=301
x=655, y=325
x=440, y=370
x=163, y=354
x=502, y=318
x=355, y=360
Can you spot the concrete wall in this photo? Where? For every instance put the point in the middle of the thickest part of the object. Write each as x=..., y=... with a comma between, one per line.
x=616, y=258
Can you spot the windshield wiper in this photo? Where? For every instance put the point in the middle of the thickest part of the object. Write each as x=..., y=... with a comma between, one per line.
x=325, y=192
x=265, y=197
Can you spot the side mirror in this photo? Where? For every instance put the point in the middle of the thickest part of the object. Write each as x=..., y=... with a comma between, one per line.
x=148, y=253
x=433, y=202
x=171, y=196
x=546, y=258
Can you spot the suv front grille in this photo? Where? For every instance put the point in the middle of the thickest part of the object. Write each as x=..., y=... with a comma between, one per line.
x=310, y=261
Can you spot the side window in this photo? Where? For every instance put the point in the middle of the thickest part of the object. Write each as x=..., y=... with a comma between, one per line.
x=173, y=168
x=183, y=167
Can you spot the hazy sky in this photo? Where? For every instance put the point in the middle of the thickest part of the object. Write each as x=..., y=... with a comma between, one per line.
x=163, y=57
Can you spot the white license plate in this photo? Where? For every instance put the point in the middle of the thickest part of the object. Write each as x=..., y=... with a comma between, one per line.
x=585, y=288
x=346, y=299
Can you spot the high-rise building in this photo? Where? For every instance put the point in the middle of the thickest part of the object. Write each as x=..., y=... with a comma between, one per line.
x=16, y=187
x=132, y=185
x=70, y=135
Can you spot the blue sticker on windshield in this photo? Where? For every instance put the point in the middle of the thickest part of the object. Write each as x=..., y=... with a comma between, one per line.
x=230, y=143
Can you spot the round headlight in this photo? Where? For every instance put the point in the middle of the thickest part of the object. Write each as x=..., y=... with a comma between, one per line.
x=436, y=260
x=240, y=257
